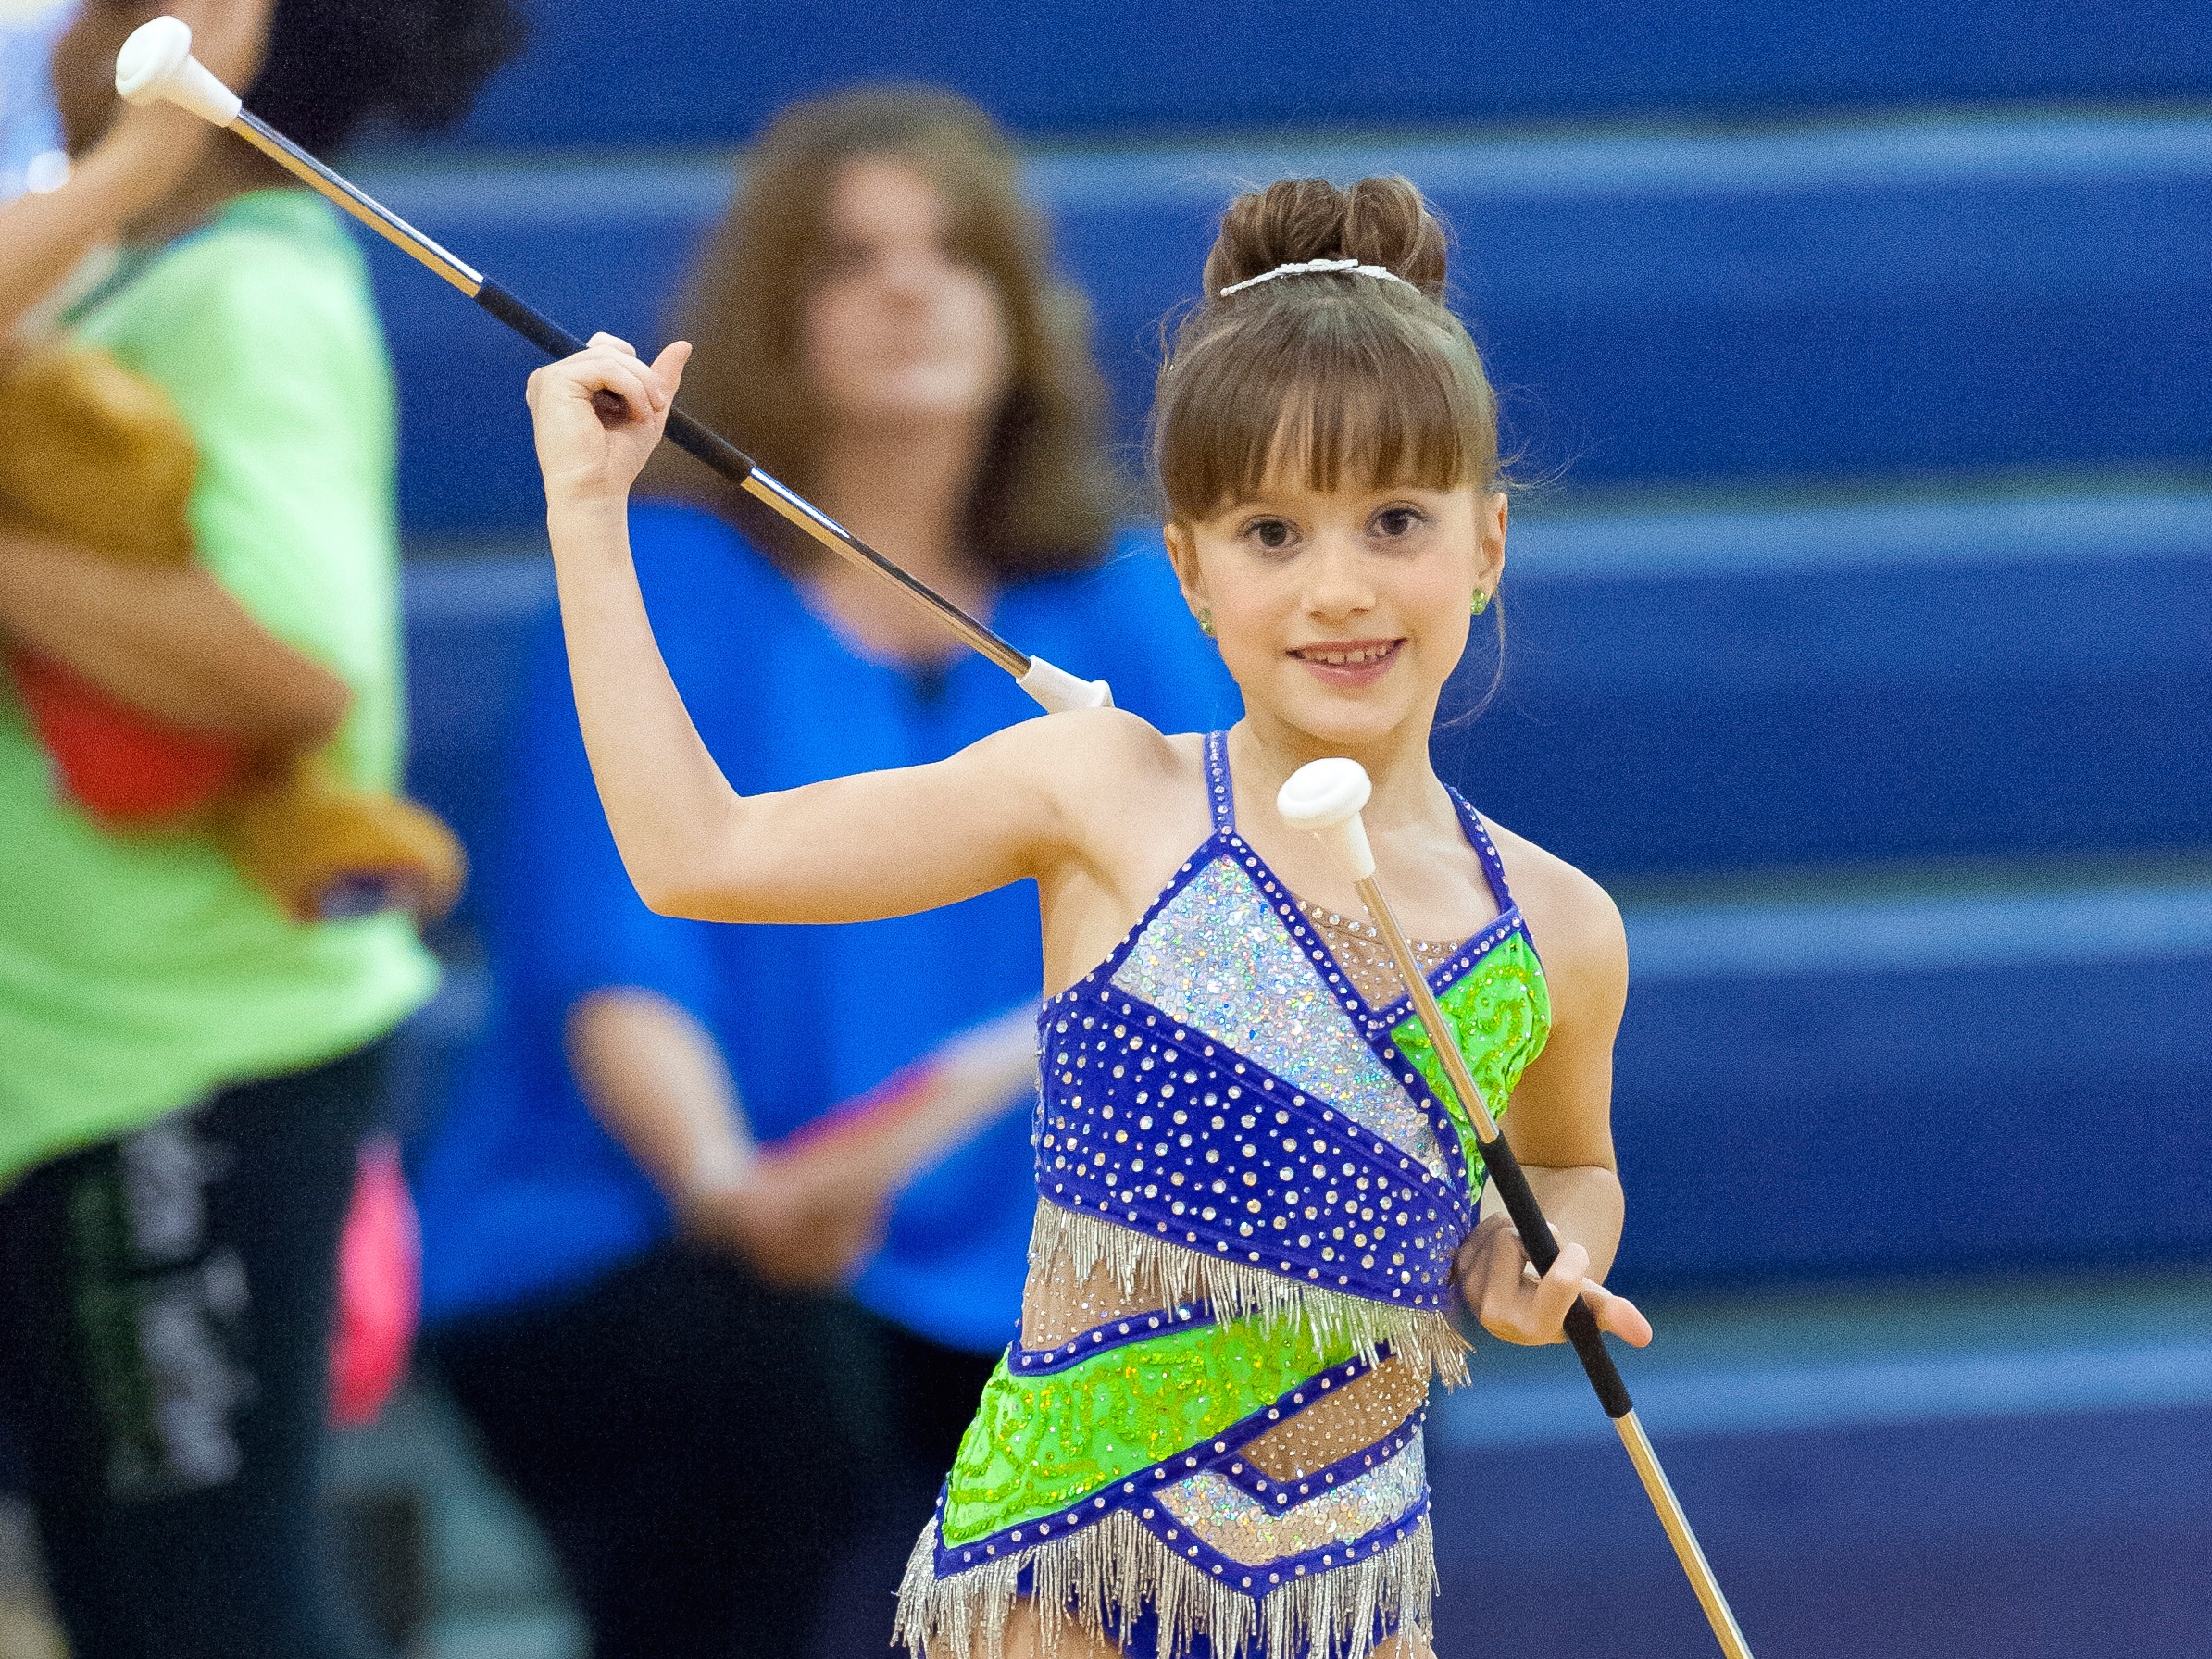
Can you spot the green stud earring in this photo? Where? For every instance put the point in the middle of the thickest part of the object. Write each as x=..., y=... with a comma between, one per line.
x=1482, y=603
x=1205, y=620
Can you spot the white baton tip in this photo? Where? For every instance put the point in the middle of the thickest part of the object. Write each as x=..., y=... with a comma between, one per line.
x=1056, y=691
x=1325, y=797
x=1323, y=793
x=156, y=64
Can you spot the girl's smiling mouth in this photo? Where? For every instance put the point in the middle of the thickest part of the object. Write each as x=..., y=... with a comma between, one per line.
x=1349, y=662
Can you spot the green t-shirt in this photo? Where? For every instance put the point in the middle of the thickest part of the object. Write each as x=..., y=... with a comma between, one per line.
x=140, y=973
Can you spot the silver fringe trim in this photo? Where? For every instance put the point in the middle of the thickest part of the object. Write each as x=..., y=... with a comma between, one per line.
x=1422, y=1338
x=1100, y=1578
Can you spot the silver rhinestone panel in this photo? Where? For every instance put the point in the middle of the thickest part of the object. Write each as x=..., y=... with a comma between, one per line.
x=1240, y=963
x=1254, y=1532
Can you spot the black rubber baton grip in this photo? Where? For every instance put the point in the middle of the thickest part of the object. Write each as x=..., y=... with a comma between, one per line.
x=541, y=332
x=716, y=451
x=549, y=337
x=1543, y=1250
x=1597, y=1360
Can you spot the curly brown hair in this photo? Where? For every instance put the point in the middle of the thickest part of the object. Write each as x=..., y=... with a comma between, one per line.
x=1046, y=495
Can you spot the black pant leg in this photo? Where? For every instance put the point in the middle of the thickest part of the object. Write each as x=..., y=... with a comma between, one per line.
x=168, y=1307
x=932, y=1392
x=698, y=1448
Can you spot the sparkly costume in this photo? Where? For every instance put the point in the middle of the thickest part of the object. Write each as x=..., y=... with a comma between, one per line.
x=1207, y=1439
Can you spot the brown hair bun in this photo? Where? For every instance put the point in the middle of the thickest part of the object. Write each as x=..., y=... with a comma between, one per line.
x=1335, y=372
x=1382, y=220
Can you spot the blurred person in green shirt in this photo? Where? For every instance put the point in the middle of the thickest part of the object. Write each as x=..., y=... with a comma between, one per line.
x=185, y=1072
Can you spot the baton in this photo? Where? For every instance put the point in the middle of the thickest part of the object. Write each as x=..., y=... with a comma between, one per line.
x=1325, y=797
x=156, y=64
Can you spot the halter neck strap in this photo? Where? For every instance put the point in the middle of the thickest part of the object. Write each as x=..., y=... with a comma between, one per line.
x=1220, y=797
x=1221, y=794
x=1494, y=867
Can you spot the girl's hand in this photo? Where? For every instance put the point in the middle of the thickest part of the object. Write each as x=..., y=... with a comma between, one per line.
x=1499, y=1283
x=598, y=415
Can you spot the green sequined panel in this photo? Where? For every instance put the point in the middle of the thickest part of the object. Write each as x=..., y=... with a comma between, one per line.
x=1501, y=1013
x=1039, y=1444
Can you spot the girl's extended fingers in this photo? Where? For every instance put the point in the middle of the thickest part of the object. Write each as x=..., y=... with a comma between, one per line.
x=668, y=368
x=1614, y=1312
x=1617, y=1315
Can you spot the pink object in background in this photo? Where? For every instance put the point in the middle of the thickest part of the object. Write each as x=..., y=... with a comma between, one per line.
x=379, y=1289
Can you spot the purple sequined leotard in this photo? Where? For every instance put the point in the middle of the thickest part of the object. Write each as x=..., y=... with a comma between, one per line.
x=1206, y=1442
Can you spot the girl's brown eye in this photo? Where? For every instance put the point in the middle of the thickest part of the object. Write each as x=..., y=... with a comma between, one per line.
x=1397, y=521
x=1272, y=533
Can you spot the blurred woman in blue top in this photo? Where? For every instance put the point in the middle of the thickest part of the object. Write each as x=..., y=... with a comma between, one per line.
x=640, y=1312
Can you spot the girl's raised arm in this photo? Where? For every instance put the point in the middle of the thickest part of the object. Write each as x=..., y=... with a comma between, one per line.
x=882, y=843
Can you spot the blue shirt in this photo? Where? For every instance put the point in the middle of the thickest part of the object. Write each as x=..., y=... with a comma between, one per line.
x=522, y=1195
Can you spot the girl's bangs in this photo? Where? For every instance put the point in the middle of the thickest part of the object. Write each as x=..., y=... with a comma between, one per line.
x=1354, y=405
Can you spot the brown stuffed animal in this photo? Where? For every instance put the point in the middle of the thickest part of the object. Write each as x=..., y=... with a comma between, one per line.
x=93, y=454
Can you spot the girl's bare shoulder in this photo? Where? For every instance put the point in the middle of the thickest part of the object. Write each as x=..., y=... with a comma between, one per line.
x=1088, y=752
x=1103, y=768
x=1573, y=921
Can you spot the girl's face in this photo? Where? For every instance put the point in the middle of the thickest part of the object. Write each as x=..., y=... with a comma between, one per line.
x=1343, y=612
x=900, y=329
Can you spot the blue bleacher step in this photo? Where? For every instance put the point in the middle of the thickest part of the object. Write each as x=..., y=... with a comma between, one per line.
x=470, y=623
x=1830, y=1089
x=1833, y=1090
x=1855, y=1357
x=693, y=71
x=2012, y=677
x=1866, y=300
x=1984, y=1471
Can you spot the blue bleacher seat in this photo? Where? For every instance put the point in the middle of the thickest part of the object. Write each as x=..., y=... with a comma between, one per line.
x=1824, y=1089
x=1698, y=692
x=700, y=71
x=469, y=624
x=2046, y=1534
x=1835, y=304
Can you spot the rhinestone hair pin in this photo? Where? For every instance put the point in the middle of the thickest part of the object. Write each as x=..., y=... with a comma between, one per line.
x=1299, y=268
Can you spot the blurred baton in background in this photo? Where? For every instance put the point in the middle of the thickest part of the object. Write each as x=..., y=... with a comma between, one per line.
x=1325, y=798
x=156, y=63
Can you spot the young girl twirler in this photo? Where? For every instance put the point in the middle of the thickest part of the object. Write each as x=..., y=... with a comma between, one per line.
x=1256, y=1198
